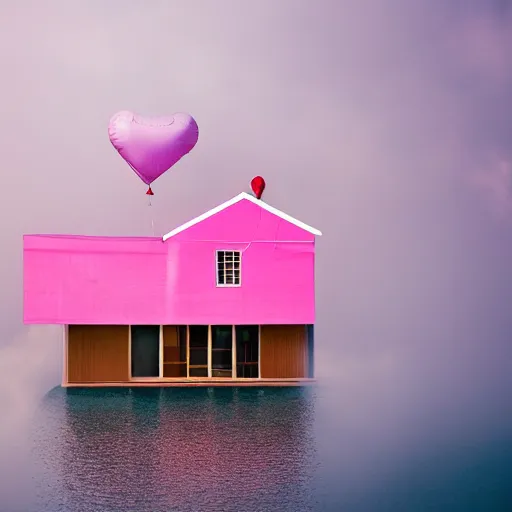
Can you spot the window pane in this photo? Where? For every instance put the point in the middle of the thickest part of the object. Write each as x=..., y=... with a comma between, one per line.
x=198, y=372
x=222, y=347
x=222, y=336
x=198, y=356
x=198, y=335
x=145, y=350
x=247, y=343
x=221, y=359
x=247, y=371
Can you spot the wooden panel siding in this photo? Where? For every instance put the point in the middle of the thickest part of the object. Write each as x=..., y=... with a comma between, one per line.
x=283, y=352
x=98, y=353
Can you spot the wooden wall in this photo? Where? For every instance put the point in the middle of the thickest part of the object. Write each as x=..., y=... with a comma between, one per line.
x=98, y=353
x=284, y=352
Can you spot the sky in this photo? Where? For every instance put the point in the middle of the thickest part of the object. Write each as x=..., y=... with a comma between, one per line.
x=386, y=125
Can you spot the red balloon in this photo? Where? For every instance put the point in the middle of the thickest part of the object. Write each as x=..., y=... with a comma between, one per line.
x=258, y=186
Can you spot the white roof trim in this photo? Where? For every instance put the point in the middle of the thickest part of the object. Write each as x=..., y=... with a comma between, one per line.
x=234, y=200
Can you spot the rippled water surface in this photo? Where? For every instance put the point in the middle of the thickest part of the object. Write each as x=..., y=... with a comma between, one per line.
x=238, y=450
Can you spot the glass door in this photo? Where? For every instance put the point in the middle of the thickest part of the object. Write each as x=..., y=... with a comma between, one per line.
x=198, y=351
x=145, y=351
x=247, y=351
x=222, y=351
x=175, y=350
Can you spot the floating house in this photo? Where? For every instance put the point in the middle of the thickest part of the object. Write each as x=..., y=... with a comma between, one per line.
x=227, y=298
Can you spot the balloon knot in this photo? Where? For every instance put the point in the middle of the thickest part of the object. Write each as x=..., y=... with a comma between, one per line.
x=149, y=192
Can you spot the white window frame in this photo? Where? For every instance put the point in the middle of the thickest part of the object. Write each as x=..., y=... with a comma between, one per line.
x=222, y=285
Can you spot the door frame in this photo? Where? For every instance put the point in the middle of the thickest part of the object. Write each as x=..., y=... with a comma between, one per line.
x=259, y=351
x=65, y=339
x=208, y=352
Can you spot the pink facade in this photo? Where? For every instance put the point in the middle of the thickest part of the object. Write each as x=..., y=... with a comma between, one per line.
x=101, y=280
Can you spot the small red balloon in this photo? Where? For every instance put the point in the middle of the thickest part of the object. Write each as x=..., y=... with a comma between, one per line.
x=258, y=186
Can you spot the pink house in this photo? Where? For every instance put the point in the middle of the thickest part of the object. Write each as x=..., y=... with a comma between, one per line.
x=227, y=298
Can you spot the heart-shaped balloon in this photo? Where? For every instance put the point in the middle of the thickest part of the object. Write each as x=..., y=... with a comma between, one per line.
x=151, y=146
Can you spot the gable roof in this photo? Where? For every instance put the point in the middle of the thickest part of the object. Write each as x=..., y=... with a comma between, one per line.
x=234, y=200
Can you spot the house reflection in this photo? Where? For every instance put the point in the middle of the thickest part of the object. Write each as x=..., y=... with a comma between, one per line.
x=188, y=448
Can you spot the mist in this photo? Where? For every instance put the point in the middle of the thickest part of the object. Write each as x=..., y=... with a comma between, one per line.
x=386, y=125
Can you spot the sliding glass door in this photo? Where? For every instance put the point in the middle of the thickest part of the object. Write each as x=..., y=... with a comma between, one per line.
x=247, y=351
x=202, y=351
x=145, y=351
x=222, y=351
x=198, y=350
x=175, y=351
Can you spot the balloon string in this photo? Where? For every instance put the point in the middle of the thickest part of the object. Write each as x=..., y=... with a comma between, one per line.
x=151, y=217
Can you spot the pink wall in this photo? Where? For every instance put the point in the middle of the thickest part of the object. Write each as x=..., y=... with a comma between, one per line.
x=146, y=281
x=93, y=280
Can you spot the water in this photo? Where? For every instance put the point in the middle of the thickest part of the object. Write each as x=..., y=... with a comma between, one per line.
x=239, y=449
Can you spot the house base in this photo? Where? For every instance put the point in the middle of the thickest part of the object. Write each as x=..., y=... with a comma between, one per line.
x=187, y=356
x=191, y=382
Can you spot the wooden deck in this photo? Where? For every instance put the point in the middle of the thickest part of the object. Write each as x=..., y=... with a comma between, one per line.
x=194, y=382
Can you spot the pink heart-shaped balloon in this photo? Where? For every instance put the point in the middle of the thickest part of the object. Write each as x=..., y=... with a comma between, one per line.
x=151, y=146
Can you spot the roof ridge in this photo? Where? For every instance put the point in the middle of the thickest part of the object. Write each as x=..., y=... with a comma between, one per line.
x=231, y=202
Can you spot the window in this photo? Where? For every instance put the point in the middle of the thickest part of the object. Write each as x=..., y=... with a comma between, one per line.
x=228, y=268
